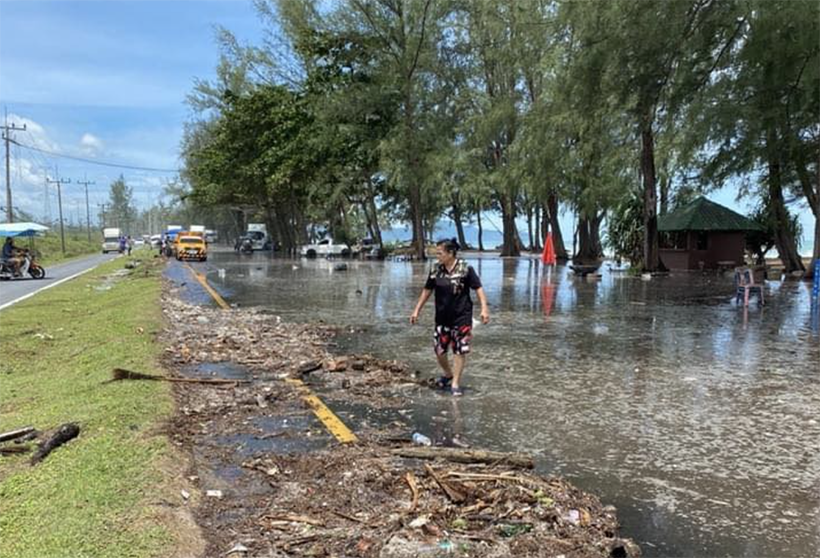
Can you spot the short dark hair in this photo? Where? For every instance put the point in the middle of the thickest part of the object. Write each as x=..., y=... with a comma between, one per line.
x=449, y=244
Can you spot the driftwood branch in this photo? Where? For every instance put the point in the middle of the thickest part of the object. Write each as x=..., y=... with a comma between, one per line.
x=466, y=456
x=66, y=432
x=414, y=488
x=123, y=374
x=15, y=449
x=451, y=492
x=12, y=434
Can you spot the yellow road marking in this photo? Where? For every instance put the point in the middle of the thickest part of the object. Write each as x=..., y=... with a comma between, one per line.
x=333, y=423
x=204, y=282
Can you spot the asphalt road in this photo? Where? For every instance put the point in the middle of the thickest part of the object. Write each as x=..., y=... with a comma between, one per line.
x=14, y=290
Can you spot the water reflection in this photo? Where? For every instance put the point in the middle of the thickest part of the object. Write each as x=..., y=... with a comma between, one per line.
x=696, y=417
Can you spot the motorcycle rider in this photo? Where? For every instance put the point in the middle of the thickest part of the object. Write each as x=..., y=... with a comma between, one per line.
x=10, y=253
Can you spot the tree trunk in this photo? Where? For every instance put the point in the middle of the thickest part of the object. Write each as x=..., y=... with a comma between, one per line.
x=537, y=227
x=480, y=231
x=374, y=214
x=651, y=253
x=784, y=240
x=589, y=240
x=557, y=237
x=509, y=247
x=457, y=221
x=529, y=228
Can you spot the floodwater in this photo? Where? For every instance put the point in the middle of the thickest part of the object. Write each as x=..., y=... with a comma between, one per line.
x=698, y=419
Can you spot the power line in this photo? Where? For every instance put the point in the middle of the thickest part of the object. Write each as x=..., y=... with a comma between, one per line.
x=92, y=161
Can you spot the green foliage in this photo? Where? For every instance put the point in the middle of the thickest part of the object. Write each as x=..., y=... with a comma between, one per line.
x=412, y=109
x=121, y=210
x=625, y=231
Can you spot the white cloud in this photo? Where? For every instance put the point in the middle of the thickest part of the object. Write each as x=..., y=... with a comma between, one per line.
x=91, y=145
x=34, y=135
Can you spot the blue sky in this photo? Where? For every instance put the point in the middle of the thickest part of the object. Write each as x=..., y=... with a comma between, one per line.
x=107, y=80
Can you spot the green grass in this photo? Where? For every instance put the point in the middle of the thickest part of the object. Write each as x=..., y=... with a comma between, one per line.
x=96, y=495
x=49, y=248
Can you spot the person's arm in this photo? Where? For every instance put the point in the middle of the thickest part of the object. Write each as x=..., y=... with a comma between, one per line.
x=485, y=308
x=425, y=295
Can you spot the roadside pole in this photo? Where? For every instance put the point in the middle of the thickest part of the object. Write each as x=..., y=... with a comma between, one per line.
x=86, y=183
x=7, y=129
x=59, y=182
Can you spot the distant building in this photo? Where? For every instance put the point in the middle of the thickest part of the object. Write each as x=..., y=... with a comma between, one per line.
x=703, y=235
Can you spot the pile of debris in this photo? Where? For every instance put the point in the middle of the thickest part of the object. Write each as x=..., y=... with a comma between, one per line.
x=382, y=497
x=272, y=349
x=368, y=501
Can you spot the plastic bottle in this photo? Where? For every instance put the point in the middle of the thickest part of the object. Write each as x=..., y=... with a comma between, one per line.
x=421, y=440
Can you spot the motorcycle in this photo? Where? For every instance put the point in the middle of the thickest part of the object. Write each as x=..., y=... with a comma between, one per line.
x=246, y=247
x=27, y=266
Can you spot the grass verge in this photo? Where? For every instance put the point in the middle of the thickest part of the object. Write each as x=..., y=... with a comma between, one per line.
x=102, y=493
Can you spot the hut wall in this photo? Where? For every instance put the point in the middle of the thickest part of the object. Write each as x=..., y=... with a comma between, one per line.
x=720, y=247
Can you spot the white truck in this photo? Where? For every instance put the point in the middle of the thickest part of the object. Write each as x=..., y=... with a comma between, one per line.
x=111, y=240
x=258, y=234
x=325, y=248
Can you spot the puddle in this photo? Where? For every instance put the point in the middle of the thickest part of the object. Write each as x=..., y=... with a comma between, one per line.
x=222, y=370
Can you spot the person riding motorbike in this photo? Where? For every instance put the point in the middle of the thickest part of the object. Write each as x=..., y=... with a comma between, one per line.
x=10, y=256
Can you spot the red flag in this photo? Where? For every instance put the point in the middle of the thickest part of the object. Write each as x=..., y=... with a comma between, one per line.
x=548, y=256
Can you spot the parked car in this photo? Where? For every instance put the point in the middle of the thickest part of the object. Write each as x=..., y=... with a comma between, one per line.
x=326, y=248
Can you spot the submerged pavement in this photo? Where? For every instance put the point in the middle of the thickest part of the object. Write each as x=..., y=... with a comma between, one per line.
x=696, y=417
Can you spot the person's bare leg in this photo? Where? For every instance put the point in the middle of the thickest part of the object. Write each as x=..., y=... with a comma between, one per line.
x=445, y=365
x=458, y=368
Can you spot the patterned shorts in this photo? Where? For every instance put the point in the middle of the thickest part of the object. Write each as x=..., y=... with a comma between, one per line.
x=457, y=337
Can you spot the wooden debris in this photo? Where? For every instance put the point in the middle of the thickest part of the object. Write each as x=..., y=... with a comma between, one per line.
x=414, y=488
x=295, y=519
x=123, y=374
x=66, y=432
x=459, y=455
x=12, y=434
x=451, y=492
x=14, y=449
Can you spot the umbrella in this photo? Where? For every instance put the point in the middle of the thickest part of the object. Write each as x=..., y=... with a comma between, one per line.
x=548, y=256
x=21, y=229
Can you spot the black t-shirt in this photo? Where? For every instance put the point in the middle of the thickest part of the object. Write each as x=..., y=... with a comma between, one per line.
x=453, y=304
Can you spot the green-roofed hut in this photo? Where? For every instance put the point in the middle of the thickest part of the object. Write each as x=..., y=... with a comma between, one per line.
x=703, y=235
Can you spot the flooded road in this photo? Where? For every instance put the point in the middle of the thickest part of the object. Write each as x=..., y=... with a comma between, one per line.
x=698, y=419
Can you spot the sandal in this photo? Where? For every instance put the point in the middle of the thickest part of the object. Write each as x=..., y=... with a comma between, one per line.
x=443, y=382
x=457, y=391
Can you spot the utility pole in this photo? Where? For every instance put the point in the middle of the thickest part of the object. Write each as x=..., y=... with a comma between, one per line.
x=85, y=183
x=102, y=213
x=7, y=129
x=59, y=182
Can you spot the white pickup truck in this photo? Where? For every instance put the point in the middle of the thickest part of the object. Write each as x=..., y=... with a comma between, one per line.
x=325, y=249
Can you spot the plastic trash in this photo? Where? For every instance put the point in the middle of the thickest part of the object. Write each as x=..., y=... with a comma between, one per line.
x=421, y=440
